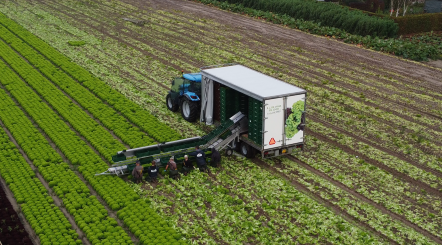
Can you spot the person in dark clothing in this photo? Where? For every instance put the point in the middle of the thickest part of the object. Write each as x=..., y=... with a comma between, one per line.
x=187, y=165
x=138, y=172
x=153, y=172
x=215, y=158
x=200, y=158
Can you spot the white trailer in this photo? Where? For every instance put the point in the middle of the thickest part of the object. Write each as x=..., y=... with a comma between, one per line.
x=283, y=109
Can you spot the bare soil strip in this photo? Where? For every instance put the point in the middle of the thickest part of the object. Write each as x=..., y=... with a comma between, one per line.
x=10, y=196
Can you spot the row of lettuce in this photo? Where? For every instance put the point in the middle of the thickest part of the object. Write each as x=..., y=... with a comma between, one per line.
x=50, y=225
x=133, y=112
x=45, y=218
x=262, y=209
x=419, y=51
x=50, y=109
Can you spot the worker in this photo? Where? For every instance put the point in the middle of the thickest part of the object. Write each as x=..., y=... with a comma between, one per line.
x=200, y=158
x=171, y=164
x=187, y=165
x=153, y=172
x=215, y=158
x=173, y=169
x=137, y=172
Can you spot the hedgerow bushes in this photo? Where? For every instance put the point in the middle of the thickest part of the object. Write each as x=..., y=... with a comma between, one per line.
x=419, y=51
x=419, y=23
x=352, y=21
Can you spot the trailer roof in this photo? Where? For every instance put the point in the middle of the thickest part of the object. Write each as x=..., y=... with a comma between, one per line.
x=251, y=82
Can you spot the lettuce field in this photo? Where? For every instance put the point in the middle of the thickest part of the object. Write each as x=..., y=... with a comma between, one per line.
x=78, y=84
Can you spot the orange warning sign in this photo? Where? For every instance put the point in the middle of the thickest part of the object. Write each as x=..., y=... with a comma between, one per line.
x=272, y=141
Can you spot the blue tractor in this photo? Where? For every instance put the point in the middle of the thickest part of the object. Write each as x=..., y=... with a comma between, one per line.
x=185, y=94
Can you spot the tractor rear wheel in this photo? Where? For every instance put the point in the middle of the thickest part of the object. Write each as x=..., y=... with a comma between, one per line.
x=170, y=105
x=247, y=150
x=189, y=110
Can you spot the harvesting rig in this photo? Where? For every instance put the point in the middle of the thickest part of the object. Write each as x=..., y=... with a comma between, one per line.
x=255, y=113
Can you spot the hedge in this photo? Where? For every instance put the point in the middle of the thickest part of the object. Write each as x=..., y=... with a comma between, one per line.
x=327, y=14
x=420, y=51
x=419, y=23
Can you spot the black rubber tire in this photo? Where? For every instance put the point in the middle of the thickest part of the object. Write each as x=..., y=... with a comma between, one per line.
x=246, y=150
x=170, y=105
x=229, y=152
x=193, y=110
x=235, y=145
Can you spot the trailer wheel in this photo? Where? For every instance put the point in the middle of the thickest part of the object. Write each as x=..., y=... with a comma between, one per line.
x=189, y=110
x=246, y=150
x=170, y=105
x=235, y=145
x=229, y=152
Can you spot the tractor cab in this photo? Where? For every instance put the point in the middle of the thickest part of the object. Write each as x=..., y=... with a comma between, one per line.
x=185, y=94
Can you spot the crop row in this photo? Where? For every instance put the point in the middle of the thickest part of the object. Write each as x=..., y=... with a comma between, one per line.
x=109, y=117
x=132, y=111
x=45, y=218
x=66, y=185
x=101, y=139
x=75, y=149
x=252, y=208
x=112, y=189
x=416, y=144
x=393, y=229
x=419, y=146
x=279, y=205
x=380, y=187
x=373, y=153
x=158, y=232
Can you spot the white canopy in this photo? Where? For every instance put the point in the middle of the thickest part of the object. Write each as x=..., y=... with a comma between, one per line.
x=251, y=82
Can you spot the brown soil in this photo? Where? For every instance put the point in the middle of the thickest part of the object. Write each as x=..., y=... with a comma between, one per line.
x=11, y=226
x=435, y=63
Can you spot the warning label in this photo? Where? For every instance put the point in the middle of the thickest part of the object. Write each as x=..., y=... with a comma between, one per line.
x=272, y=141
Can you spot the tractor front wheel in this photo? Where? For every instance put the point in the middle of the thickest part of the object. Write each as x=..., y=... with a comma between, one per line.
x=189, y=110
x=170, y=104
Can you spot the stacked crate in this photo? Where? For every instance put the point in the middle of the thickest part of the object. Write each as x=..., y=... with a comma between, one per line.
x=255, y=120
x=225, y=103
x=216, y=101
x=243, y=103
